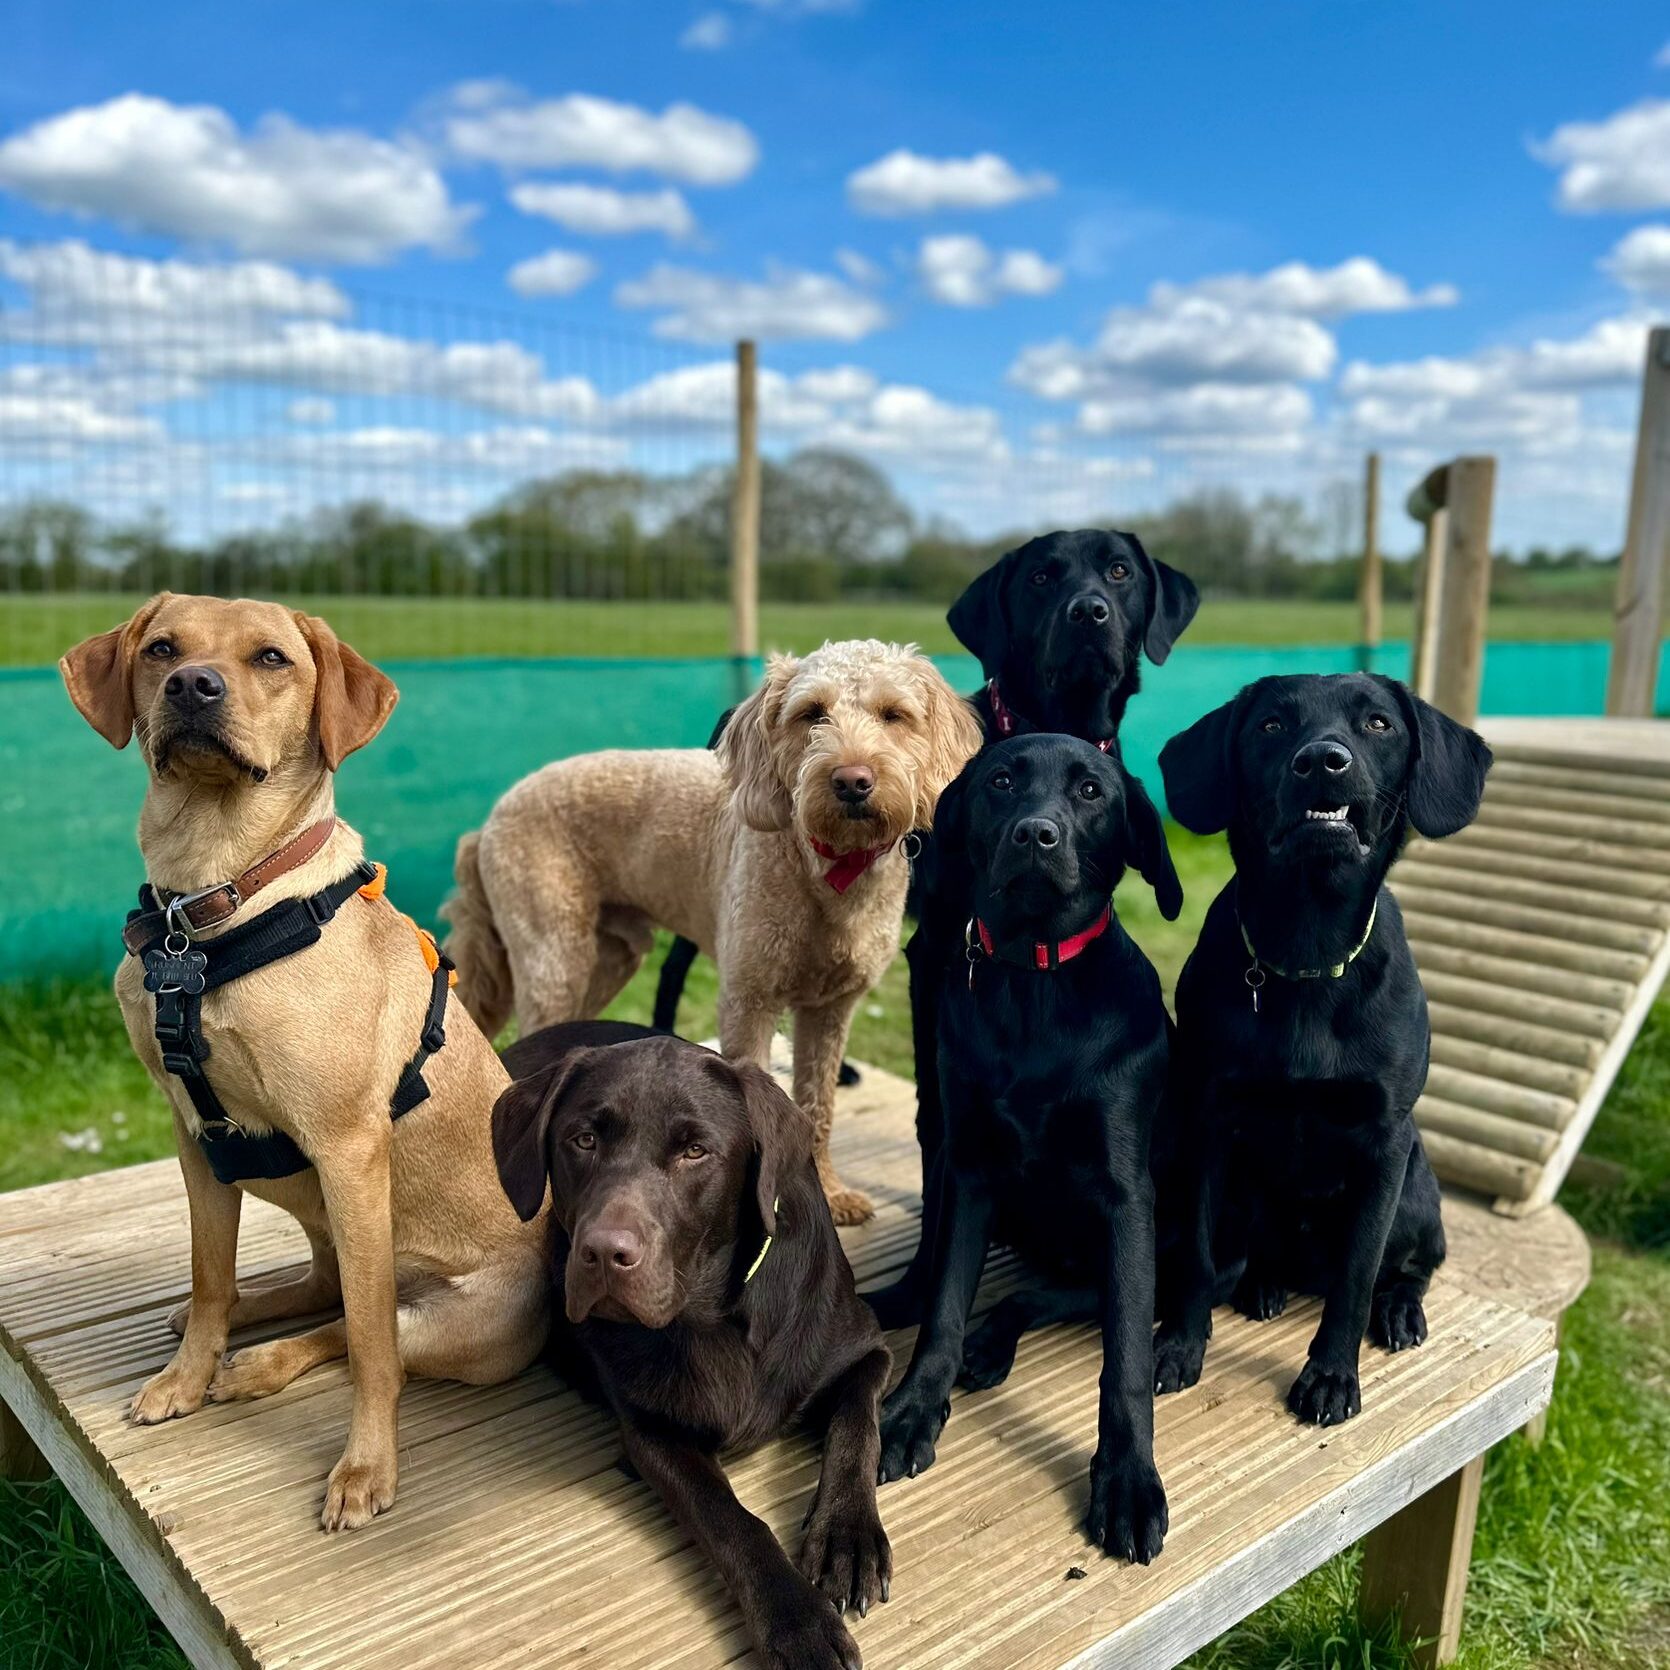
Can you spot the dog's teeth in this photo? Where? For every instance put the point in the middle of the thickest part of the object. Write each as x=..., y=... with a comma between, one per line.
x=1337, y=815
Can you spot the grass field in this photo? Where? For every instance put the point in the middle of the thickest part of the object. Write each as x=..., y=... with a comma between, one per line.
x=1571, y=1567
x=35, y=631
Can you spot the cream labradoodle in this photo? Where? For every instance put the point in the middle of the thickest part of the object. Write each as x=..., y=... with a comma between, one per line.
x=779, y=855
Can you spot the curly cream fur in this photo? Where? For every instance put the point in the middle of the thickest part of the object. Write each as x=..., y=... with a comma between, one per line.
x=576, y=861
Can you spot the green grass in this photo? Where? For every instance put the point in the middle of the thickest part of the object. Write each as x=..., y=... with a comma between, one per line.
x=1570, y=1566
x=36, y=630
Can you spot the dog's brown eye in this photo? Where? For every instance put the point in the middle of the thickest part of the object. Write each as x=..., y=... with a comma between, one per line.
x=1040, y=576
x=1090, y=789
x=1271, y=727
x=271, y=657
x=1001, y=780
x=161, y=650
x=814, y=715
x=1379, y=722
x=891, y=716
x=693, y=1151
x=586, y=1140
x=1119, y=571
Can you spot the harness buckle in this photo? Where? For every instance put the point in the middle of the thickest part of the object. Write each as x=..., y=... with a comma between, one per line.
x=321, y=907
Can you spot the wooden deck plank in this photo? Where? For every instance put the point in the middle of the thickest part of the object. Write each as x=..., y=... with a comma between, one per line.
x=517, y=1540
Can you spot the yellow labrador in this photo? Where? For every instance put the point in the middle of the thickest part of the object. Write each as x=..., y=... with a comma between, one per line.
x=243, y=711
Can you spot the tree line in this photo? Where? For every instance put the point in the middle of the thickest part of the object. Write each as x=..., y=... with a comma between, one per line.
x=832, y=526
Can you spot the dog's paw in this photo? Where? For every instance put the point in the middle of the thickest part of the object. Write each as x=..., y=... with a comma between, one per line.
x=988, y=1356
x=357, y=1491
x=1128, y=1515
x=849, y=1206
x=168, y=1394
x=909, y=1429
x=1259, y=1298
x=1397, y=1320
x=847, y=1557
x=1325, y=1396
x=178, y=1318
x=1178, y=1359
x=801, y=1630
x=256, y=1371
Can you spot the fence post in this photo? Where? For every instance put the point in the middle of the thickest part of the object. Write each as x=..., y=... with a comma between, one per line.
x=1429, y=581
x=745, y=520
x=1371, y=576
x=1463, y=594
x=1638, y=612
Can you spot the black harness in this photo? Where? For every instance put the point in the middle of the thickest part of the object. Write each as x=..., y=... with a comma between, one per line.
x=179, y=972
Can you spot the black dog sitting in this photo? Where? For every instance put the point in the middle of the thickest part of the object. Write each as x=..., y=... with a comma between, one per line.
x=1302, y=1035
x=709, y=1302
x=1060, y=626
x=1052, y=1065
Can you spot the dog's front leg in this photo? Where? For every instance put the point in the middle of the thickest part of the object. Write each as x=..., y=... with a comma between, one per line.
x=919, y=1406
x=1190, y=1274
x=820, y=1040
x=354, y=1178
x=793, y=1626
x=745, y=1026
x=1128, y=1513
x=1327, y=1390
x=846, y=1552
x=215, y=1209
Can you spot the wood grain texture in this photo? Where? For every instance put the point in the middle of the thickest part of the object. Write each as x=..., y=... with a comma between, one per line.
x=517, y=1540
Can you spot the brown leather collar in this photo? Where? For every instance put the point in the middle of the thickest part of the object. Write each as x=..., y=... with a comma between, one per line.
x=214, y=905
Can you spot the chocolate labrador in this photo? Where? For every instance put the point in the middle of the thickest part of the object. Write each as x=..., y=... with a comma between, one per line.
x=1293, y=1162
x=709, y=1304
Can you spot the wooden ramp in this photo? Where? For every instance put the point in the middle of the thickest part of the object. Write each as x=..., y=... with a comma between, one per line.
x=1543, y=937
x=516, y=1540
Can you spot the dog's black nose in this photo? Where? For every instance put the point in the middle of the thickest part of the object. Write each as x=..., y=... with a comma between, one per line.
x=615, y=1246
x=852, y=783
x=1035, y=832
x=1088, y=607
x=1332, y=757
x=190, y=688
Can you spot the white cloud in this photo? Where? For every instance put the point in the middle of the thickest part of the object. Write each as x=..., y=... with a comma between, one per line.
x=906, y=183
x=1359, y=285
x=1620, y=163
x=787, y=304
x=311, y=410
x=520, y=450
x=707, y=33
x=961, y=271
x=279, y=189
x=1661, y=58
x=1640, y=261
x=859, y=268
x=601, y=211
x=502, y=125
x=39, y=417
x=558, y=272
x=1202, y=410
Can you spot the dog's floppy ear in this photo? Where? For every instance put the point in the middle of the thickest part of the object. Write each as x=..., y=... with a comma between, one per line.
x=1447, y=767
x=954, y=737
x=1175, y=600
x=761, y=796
x=1147, y=850
x=521, y=1117
x=782, y=1134
x=1199, y=771
x=352, y=700
x=98, y=673
x=980, y=618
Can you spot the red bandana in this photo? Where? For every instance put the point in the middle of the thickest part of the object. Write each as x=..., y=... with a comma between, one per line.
x=1047, y=955
x=846, y=867
x=1005, y=720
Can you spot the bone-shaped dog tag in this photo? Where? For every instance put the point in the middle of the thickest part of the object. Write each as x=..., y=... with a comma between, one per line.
x=175, y=971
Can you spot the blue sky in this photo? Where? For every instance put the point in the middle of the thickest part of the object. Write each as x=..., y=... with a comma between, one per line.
x=1068, y=260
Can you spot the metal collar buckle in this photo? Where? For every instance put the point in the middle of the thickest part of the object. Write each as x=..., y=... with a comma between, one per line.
x=176, y=908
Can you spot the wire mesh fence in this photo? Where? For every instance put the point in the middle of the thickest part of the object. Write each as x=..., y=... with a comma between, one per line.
x=448, y=481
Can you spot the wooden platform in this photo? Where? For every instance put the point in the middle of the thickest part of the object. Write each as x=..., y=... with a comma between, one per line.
x=517, y=1541
x=1543, y=938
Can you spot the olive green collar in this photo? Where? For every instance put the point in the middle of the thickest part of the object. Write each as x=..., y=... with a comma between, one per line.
x=754, y=1268
x=1332, y=971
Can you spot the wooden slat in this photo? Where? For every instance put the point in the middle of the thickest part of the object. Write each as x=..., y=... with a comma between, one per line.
x=1593, y=799
x=1624, y=967
x=1509, y=1066
x=1585, y=1023
x=1511, y=1101
x=1590, y=856
x=1488, y=1170
x=1624, y=758
x=1472, y=850
x=1572, y=926
x=1434, y=867
x=1613, y=831
x=1503, y=1032
x=1513, y=974
x=1507, y=769
x=1517, y=1137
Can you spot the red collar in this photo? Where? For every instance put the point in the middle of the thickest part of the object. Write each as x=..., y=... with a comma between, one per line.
x=1043, y=954
x=1007, y=724
x=846, y=867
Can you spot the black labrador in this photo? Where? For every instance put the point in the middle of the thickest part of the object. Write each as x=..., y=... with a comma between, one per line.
x=1290, y=1161
x=708, y=1302
x=1052, y=1053
x=1060, y=626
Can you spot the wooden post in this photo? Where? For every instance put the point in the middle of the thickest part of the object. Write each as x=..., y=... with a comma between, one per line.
x=1370, y=588
x=1638, y=612
x=745, y=512
x=1464, y=594
x=1429, y=581
x=1415, y=1565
